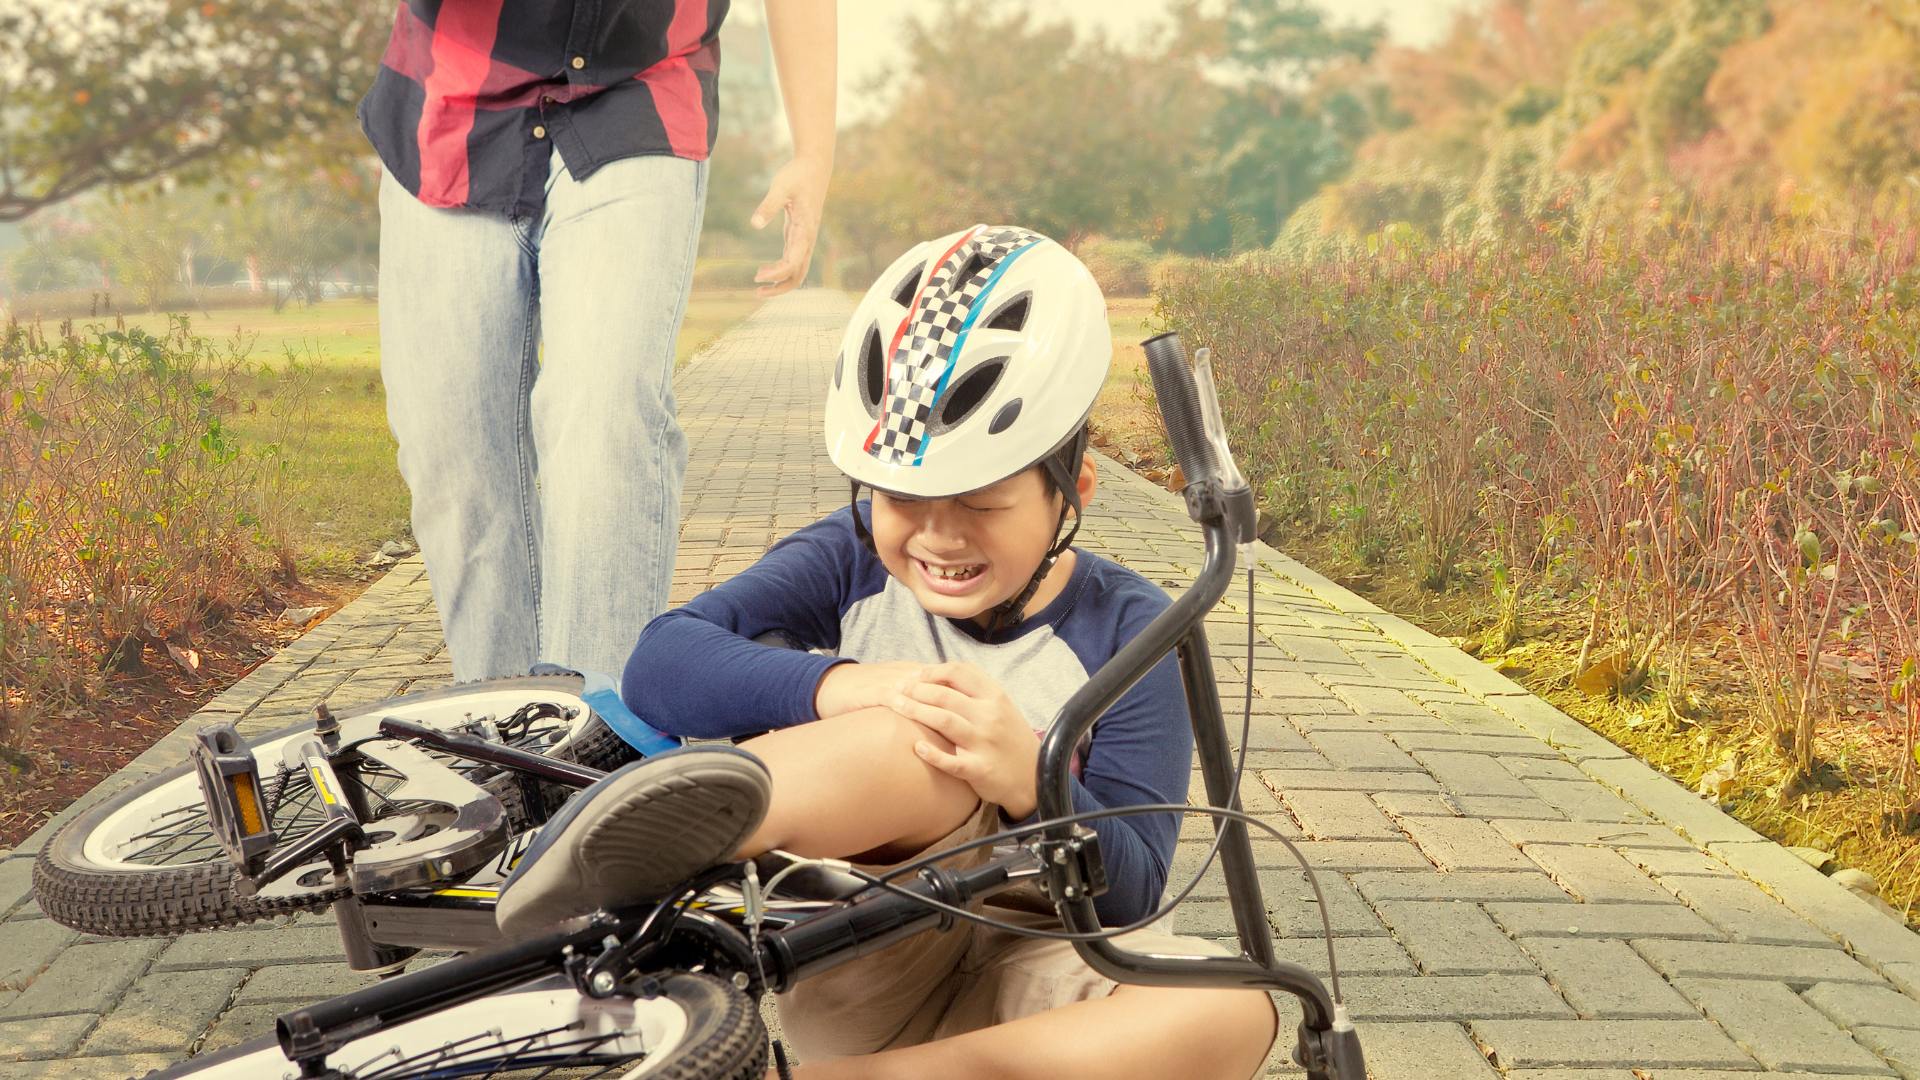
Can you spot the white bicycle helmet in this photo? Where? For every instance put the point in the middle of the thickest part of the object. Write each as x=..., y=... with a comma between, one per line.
x=972, y=358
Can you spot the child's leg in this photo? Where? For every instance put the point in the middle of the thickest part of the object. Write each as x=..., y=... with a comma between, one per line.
x=1150, y=1032
x=851, y=786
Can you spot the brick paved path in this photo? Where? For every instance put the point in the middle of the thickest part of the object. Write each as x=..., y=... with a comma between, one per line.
x=1512, y=894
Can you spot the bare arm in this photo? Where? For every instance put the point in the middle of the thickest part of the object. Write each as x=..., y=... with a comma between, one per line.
x=804, y=52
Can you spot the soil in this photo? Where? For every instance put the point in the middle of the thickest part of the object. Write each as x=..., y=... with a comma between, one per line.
x=59, y=758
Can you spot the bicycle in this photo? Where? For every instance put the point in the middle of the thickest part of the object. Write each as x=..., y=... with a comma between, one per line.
x=406, y=817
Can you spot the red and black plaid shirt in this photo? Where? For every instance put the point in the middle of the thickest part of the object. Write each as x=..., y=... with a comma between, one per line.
x=473, y=96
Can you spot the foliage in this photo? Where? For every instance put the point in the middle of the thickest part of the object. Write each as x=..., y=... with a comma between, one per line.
x=1688, y=429
x=122, y=91
x=132, y=515
x=1600, y=114
x=1121, y=267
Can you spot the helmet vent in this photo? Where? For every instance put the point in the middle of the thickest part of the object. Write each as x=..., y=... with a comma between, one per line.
x=1013, y=316
x=873, y=371
x=1004, y=419
x=975, y=263
x=963, y=397
x=903, y=292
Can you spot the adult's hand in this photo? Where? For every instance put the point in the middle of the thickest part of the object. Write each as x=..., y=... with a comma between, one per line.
x=798, y=191
x=804, y=36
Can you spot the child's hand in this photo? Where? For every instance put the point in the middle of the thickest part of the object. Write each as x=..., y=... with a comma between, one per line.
x=994, y=748
x=849, y=688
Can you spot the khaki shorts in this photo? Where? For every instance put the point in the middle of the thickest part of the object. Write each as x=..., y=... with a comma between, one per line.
x=937, y=984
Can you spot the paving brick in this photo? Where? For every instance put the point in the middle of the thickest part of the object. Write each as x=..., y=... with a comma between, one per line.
x=1503, y=746
x=16, y=883
x=1781, y=1031
x=1609, y=1043
x=1266, y=733
x=85, y=978
x=1598, y=875
x=1417, y=804
x=1592, y=832
x=1356, y=956
x=1422, y=1052
x=1795, y=965
x=239, y=1024
x=1450, y=937
x=43, y=1037
x=1356, y=855
x=1464, y=844
x=88, y=1068
x=27, y=946
x=242, y=948
x=1362, y=751
x=1603, y=920
x=1506, y=806
x=1584, y=800
x=1340, y=815
x=1665, y=864
x=1606, y=980
x=164, y=1011
x=1464, y=997
x=1853, y=1005
x=1534, y=768
x=1744, y=912
x=1474, y=887
x=1471, y=774
x=1899, y=1046
x=1589, y=1074
x=1302, y=780
x=1379, y=701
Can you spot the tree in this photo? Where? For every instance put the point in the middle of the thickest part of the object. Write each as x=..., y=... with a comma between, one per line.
x=1286, y=124
x=999, y=117
x=122, y=91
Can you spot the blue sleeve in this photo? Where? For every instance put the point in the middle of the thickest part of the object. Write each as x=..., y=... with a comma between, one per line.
x=698, y=673
x=1142, y=752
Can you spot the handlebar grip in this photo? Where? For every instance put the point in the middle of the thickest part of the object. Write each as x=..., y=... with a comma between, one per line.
x=1179, y=398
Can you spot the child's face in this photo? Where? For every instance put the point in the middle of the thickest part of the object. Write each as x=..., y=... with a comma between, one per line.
x=963, y=556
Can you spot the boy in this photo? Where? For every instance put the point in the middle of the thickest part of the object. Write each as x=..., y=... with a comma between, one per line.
x=961, y=619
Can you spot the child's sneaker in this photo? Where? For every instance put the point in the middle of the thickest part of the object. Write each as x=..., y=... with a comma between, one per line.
x=636, y=834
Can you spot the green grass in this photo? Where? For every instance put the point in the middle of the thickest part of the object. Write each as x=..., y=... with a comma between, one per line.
x=327, y=413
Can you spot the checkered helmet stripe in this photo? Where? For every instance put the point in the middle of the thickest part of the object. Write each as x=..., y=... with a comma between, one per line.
x=925, y=356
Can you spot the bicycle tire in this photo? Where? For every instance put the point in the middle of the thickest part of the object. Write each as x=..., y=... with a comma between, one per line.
x=701, y=1028
x=81, y=892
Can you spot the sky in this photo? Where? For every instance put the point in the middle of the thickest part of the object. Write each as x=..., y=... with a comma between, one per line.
x=867, y=27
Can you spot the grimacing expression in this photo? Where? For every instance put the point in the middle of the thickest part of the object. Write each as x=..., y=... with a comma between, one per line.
x=965, y=555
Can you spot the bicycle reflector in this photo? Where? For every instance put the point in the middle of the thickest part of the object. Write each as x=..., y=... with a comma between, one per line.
x=230, y=785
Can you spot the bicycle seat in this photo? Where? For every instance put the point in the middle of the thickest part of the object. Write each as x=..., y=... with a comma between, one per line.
x=636, y=835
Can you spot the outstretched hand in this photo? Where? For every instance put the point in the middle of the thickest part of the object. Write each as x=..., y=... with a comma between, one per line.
x=798, y=190
x=994, y=748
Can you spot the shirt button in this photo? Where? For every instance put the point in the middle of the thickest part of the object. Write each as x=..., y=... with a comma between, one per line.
x=546, y=99
x=539, y=131
x=579, y=62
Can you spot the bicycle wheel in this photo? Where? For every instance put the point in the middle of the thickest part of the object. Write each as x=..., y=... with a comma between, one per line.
x=696, y=1028
x=145, y=860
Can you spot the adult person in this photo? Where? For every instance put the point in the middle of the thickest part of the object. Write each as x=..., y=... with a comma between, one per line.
x=545, y=175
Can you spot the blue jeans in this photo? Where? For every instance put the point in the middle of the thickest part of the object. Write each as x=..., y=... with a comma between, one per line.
x=529, y=374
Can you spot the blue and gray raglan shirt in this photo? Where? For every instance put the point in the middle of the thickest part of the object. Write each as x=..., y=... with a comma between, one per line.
x=697, y=673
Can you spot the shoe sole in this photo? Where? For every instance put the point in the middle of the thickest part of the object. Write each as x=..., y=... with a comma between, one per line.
x=672, y=818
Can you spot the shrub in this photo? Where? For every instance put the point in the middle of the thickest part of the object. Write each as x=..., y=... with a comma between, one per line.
x=1697, y=430
x=132, y=514
x=1121, y=267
